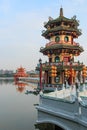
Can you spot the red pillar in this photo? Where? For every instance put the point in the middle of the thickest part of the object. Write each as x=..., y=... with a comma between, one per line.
x=41, y=76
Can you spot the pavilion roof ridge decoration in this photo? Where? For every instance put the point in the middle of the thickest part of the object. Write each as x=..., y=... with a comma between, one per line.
x=60, y=18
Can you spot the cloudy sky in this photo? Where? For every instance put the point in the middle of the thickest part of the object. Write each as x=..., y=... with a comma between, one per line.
x=21, y=25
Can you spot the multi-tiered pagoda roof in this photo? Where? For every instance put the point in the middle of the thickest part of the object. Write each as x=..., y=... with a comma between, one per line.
x=60, y=24
x=59, y=27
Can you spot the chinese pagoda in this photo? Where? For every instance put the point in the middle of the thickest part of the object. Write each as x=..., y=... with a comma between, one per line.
x=61, y=50
x=20, y=73
x=66, y=107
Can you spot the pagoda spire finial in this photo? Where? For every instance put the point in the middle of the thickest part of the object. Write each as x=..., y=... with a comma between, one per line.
x=61, y=11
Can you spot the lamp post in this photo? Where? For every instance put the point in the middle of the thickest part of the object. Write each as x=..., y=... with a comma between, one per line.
x=40, y=62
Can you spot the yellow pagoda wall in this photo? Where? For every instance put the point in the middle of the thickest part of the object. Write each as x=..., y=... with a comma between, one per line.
x=61, y=38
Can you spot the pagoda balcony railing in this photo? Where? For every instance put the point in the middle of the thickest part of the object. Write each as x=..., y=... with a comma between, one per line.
x=62, y=64
x=62, y=42
x=52, y=63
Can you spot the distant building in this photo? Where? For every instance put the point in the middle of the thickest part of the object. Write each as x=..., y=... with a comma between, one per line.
x=6, y=73
x=33, y=73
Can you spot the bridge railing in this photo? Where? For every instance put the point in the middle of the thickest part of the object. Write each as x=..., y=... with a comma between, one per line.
x=59, y=105
x=68, y=107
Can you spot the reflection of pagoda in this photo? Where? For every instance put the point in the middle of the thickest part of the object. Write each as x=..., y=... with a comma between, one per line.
x=61, y=51
x=20, y=86
x=20, y=73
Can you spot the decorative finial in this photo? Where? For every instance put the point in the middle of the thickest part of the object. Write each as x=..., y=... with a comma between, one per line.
x=61, y=11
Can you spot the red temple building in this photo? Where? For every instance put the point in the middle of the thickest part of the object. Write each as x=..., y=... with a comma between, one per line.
x=20, y=73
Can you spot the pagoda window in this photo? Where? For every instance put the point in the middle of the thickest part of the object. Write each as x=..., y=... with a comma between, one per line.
x=57, y=39
x=57, y=59
x=66, y=39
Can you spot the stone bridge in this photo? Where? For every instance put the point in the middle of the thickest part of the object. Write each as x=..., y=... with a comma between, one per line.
x=66, y=114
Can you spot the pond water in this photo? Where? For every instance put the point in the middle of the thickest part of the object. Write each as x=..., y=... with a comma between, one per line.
x=17, y=110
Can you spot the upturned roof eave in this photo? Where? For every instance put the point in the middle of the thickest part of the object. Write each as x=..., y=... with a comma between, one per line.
x=54, y=47
x=61, y=19
x=61, y=29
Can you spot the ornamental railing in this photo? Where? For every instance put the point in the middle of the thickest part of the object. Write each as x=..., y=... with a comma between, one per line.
x=61, y=64
x=61, y=42
x=52, y=63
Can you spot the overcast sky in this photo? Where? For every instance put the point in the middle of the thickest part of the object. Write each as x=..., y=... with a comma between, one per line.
x=21, y=25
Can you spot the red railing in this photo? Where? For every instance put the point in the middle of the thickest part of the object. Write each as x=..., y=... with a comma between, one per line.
x=61, y=42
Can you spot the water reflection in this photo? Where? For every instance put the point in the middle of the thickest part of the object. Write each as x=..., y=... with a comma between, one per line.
x=17, y=110
x=20, y=86
x=6, y=81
